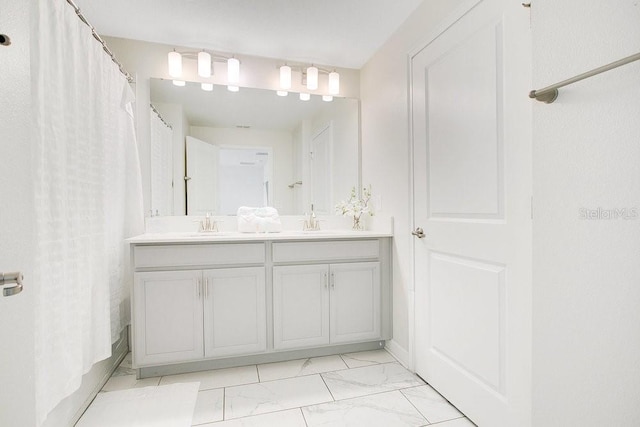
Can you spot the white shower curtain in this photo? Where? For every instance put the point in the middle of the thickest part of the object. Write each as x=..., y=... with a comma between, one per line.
x=88, y=199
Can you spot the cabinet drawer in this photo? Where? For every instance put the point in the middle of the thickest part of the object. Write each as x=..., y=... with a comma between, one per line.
x=325, y=251
x=199, y=255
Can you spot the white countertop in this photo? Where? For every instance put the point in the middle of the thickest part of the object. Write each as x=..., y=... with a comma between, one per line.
x=234, y=236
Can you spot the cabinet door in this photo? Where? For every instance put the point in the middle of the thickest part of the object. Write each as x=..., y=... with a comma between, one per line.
x=300, y=306
x=234, y=311
x=355, y=302
x=168, y=317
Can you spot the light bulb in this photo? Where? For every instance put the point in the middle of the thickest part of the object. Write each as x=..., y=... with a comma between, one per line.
x=334, y=83
x=305, y=96
x=175, y=64
x=204, y=64
x=207, y=86
x=327, y=98
x=285, y=77
x=312, y=78
x=282, y=93
x=233, y=70
x=179, y=83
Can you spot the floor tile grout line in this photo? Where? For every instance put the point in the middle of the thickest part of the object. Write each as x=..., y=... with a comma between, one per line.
x=344, y=361
x=303, y=417
x=328, y=389
x=416, y=408
x=224, y=402
x=446, y=421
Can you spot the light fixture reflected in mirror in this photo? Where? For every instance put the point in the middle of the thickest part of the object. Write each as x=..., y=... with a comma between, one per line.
x=305, y=96
x=327, y=98
x=207, y=86
x=233, y=88
x=282, y=93
x=179, y=83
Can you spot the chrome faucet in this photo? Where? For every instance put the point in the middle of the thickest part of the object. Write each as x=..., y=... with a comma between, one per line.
x=208, y=224
x=312, y=223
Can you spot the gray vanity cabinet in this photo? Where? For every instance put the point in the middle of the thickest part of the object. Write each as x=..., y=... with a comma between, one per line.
x=232, y=302
x=181, y=315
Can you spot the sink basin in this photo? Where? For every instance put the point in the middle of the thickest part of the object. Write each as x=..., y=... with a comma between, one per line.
x=316, y=232
x=211, y=234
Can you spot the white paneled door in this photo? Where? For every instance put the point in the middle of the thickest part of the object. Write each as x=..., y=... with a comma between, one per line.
x=471, y=124
x=202, y=177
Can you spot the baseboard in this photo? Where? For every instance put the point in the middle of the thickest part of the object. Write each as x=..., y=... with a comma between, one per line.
x=233, y=361
x=69, y=411
x=399, y=353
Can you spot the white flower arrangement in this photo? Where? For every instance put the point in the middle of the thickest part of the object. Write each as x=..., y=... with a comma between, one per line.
x=355, y=207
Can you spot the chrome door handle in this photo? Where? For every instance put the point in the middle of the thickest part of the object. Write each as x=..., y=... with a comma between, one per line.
x=9, y=279
x=419, y=233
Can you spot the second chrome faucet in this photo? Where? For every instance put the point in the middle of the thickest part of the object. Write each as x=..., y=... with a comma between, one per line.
x=312, y=223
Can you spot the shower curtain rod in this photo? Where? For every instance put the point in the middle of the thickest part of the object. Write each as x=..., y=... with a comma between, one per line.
x=102, y=42
x=160, y=117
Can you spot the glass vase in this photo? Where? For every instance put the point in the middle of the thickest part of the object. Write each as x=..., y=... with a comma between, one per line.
x=357, y=225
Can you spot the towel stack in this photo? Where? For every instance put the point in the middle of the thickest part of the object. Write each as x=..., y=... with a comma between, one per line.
x=258, y=220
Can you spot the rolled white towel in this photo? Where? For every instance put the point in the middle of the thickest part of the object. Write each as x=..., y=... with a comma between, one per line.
x=258, y=220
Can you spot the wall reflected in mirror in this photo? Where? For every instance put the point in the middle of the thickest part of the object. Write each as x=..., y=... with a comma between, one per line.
x=251, y=148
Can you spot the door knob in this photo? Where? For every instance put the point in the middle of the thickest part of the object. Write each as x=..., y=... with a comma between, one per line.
x=10, y=279
x=419, y=233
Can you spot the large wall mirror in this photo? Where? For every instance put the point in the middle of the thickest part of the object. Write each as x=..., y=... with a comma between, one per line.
x=252, y=148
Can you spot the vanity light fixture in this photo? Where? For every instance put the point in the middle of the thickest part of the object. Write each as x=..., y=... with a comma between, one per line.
x=233, y=71
x=179, y=83
x=282, y=93
x=334, y=83
x=285, y=77
x=204, y=64
x=175, y=64
x=312, y=78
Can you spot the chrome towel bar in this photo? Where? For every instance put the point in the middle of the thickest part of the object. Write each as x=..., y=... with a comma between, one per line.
x=550, y=93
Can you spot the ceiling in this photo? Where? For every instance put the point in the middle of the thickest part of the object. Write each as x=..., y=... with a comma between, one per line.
x=340, y=33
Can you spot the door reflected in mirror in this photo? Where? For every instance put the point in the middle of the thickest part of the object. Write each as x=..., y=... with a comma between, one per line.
x=254, y=148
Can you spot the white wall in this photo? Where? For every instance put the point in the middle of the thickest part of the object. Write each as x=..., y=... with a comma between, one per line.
x=345, y=155
x=17, y=399
x=386, y=145
x=280, y=141
x=586, y=290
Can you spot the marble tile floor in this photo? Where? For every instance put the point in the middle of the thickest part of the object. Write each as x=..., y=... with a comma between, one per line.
x=365, y=389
